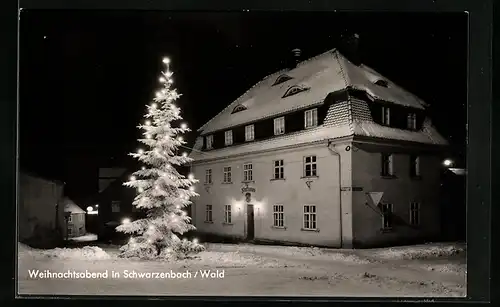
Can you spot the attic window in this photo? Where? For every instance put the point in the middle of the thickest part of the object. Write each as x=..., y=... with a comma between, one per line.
x=238, y=108
x=382, y=83
x=294, y=90
x=281, y=79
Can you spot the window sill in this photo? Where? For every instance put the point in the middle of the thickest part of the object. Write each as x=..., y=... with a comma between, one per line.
x=208, y=183
x=309, y=177
x=386, y=230
x=208, y=222
x=277, y=179
x=227, y=224
x=248, y=141
x=311, y=230
x=311, y=127
x=279, y=227
x=227, y=182
x=278, y=134
x=416, y=177
x=388, y=177
x=227, y=145
x=248, y=181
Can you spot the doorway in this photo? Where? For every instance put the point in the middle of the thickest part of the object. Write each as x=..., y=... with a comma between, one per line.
x=250, y=222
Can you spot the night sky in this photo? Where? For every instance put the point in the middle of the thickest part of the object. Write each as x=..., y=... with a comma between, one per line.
x=86, y=76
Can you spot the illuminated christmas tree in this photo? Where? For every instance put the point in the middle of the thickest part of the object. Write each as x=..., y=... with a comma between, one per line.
x=162, y=192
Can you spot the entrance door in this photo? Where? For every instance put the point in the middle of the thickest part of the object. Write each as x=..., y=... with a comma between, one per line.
x=250, y=222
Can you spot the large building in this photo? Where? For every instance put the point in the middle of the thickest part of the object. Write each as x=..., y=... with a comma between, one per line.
x=326, y=153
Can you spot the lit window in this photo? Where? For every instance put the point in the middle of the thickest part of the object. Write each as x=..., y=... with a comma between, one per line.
x=209, y=141
x=278, y=216
x=248, y=172
x=279, y=170
x=412, y=121
x=249, y=133
x=310, y=217
x=228, y=137
x=227, y=214
x=279, y=125
x=386, y=116
x=208, y=176
x=227, y=174
x=311, y=118
x=310, y=167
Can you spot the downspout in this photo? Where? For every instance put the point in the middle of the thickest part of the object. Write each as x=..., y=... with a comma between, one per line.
x=335, y=152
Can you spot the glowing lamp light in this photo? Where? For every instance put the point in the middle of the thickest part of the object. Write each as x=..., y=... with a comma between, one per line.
x=148, y=136
x=184, y=126
x=191, y=189
x=140, y=151
x=162, y=79
x=132, y=240
x=97, y=206
x=154, y=105
x=158, y=94
x=143, y=168
x=166, y=60
x=148, y=122
x=151, y=227
x=170, y=80
x=180, y=139
x=125, y=221
x=195, y=241
x=132, y=178
x=191, y=177
x=184, y=213
x=447, y=162
x=90, y=209
x=184, y=240
x=184, y=154
x=141, y=190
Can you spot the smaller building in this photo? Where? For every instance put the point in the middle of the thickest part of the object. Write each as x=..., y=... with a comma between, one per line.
x=76, y=219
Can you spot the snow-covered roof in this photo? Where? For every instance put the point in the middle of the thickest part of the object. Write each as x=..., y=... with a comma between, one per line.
x=317, y=77
x=70, y=206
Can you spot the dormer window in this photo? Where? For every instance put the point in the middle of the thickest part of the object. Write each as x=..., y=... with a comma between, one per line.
x=209, y=141
x=238, y=108
x=282, y=79
x=412, y=121
x=386, y=116
x=382, y=83
x=294, y=90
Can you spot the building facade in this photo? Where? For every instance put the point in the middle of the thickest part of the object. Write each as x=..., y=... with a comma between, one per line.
x=326, y=153
x=40, y=210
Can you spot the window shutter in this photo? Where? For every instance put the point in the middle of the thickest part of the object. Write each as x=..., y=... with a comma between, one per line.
x=390, y=162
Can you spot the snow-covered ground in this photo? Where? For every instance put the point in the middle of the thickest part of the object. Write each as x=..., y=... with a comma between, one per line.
x=242, y=269
x=89, y=237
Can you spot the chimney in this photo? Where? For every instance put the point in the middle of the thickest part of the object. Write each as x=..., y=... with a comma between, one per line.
x=351, y=48
x=296, y=53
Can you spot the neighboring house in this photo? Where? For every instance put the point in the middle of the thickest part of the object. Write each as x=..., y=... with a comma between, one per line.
x=295, y=158
x=114, y=200
x=76, y=219
x=40, y=214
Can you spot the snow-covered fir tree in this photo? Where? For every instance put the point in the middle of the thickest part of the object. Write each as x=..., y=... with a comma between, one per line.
x=162, y=191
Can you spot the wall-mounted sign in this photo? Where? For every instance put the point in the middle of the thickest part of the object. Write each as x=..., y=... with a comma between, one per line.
x=246, y=189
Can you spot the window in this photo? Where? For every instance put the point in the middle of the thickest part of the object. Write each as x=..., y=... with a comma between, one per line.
x=386, y=116
x=282, y=79
x=70, y=218
x=70, y=231
x=412, y=121
x=279, y=125
x=387, y=168
x=414, y=213
x=247, y=172
x=227, y=214
x=414, y=166
x=310, y=167
x=310, y=217
x=115, y=206
x=279, y=170
x=294, y=90
x=311, y=118
x=227, y=174
x=249, y=133
x=386, y=216
x=208, y=213
x=278, y=216
x=238, y=108
x=382, y=83
x=208, y=176
x=210, y=141
x=228, y=138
